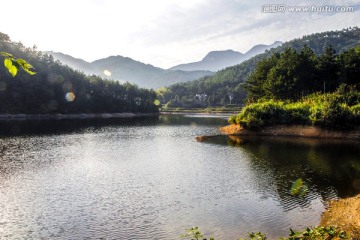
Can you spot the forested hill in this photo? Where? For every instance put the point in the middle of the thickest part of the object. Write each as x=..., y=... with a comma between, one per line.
x=56, y=88
x=227, y=85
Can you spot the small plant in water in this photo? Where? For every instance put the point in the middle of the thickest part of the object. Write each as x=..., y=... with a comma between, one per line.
x=194, y=234
x=299, y=188
x=318, y=233
x=315, y=233
x=256, y=236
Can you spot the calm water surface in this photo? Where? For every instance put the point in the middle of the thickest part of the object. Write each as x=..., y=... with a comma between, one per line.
x=150, y=179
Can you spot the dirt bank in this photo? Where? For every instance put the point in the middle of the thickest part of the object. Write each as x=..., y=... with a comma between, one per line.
x=291, y=131
x=344, y=213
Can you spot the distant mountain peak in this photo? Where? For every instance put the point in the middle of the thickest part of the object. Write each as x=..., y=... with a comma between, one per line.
x=215, y=55
x=260, y=48
x=217, y=60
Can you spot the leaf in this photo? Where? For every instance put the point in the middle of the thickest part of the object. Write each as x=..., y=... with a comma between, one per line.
x=8, y=55
x=29, y=72
x=13, y=65
x=26, y=66
x=23, y=63
x=13, y=69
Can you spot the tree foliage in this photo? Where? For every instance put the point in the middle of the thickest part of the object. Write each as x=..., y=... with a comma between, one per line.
x=292, y=75
x=56, y=88
x=338, y=110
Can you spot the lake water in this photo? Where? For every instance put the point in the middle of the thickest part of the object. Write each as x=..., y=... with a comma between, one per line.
x=149, y=179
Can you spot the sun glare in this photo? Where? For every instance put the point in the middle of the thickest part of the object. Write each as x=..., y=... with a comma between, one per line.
x=107, y=73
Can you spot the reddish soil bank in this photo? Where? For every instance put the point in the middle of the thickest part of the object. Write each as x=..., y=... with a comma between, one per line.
x=291, y=131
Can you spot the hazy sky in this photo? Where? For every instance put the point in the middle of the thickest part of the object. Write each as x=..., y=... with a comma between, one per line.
x=163, y=32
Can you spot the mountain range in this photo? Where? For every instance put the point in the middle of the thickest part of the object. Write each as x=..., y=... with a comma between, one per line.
x=217, y=60
x=125, y=69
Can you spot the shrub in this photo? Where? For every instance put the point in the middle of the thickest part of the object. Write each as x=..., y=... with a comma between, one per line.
x=232, y=120
x=334, y=110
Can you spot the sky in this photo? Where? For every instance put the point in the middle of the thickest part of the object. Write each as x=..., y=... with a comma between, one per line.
x=165, y=33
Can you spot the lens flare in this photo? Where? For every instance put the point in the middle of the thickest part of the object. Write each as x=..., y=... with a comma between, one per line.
x=107, y=73
x=157, y=102
x=70, y=96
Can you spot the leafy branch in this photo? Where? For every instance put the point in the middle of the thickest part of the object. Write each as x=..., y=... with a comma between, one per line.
x=13, y=64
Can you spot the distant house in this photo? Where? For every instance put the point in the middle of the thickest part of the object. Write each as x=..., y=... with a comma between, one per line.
x=202, y=97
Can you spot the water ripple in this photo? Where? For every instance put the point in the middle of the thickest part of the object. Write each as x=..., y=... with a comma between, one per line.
x=153, y=181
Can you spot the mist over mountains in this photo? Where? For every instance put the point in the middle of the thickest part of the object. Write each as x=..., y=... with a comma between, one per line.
x=217, y=60
x=125, y=69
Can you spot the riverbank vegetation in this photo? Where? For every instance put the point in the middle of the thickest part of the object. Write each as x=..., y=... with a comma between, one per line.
x=56, y=88
x=315, y=233
x=338, y=110
x=302, y=88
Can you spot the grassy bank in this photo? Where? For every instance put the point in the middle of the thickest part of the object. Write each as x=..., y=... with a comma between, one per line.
x=339, y=110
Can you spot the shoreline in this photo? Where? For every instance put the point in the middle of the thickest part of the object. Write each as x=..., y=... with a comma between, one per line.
x=227, y=114
x=59, y=116
x=291, y=131
x=343, y=213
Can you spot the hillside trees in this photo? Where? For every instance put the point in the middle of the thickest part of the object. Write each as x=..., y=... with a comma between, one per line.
x=59, y=89
x=288, y=88
x=217, y=86
x=292, y=75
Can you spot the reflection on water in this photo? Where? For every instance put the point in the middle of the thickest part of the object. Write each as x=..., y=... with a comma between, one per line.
x=335, y=162
x=26, y=127
x=147, y=178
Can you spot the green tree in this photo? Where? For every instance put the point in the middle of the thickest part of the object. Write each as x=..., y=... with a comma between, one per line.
x=328, y=70
x=256, y=80
x=349, y=66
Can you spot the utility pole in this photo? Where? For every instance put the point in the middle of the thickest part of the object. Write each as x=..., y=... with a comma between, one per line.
x=231, y=97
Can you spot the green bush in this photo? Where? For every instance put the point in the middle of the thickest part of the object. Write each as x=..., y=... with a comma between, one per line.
x=261, y=114
x=337, y=110
x=232, y=120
